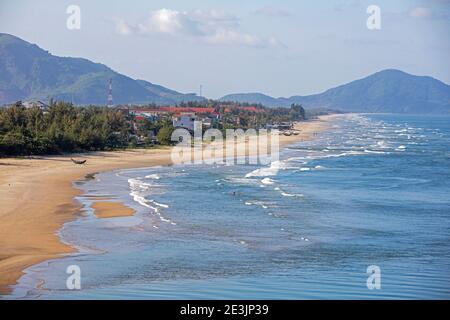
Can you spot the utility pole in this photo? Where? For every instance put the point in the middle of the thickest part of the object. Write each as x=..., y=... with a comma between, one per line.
x=110, y=97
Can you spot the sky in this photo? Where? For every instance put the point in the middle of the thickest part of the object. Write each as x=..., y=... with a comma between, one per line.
x=280, y=48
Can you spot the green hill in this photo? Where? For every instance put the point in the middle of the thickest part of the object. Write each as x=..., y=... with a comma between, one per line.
x=28, y=72
x=389, y=90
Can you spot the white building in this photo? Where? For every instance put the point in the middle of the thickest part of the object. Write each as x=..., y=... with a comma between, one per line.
x=185, y=120
x=33, y=104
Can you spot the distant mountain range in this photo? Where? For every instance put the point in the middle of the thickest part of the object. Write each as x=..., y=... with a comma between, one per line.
x=28, y=72
x=389, y=90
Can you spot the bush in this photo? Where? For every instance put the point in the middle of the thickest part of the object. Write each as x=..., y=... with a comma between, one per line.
x=164, y=135
x=64, y=128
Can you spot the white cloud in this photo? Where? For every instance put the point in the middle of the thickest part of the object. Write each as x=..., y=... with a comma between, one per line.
x=420, y=12
x=272, y=12
x=164, y=21
x=210, y=21
x=209, y=26
x=232, y=37
x=123, y=28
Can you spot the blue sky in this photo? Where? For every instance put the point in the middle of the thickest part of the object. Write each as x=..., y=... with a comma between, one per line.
x=280, y=48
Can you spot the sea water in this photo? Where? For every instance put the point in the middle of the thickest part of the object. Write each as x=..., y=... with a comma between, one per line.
x=374, y=190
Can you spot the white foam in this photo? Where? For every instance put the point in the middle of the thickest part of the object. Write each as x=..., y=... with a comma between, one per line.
x=285, y=194
x=141, y=200
x=257, y=203
x=267, y=181
x=266, y=171
x=373, y=151
x=299, y=159
x=137, y=187
x=159, y=204
x=153, y=176
x=136, y=184
x=343, y=154
x=241, y=180
x=382, y=144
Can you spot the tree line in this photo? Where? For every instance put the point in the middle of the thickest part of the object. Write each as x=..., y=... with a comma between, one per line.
x=64, y=127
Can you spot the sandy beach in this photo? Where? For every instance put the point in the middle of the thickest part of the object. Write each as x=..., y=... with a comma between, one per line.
x=108, y=209
x=38, y=198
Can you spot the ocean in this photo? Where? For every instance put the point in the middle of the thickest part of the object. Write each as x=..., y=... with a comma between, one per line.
x=374, y=190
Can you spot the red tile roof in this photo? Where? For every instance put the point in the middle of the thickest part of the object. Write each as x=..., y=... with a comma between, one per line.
x=174, y=110
x=198, y=110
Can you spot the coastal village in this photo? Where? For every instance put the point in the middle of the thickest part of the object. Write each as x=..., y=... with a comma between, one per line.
x=213, y=115
x=185, y=117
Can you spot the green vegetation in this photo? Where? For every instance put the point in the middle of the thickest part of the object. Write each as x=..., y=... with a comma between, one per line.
x=165, y=134
x=234, y=117
x=28, y=72
x=64, y=128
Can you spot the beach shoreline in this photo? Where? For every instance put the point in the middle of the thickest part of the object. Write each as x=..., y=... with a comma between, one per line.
x=38, y=197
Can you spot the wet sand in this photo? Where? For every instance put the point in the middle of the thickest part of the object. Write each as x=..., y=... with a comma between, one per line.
x=111, y=209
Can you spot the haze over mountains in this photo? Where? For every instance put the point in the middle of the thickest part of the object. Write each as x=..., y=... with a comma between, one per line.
x=385, y=91
x=28, y=72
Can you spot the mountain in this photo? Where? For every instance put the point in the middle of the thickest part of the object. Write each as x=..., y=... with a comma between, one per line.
x=254, y=97
x=169, y=94
x=28, y=72
x=389, y=90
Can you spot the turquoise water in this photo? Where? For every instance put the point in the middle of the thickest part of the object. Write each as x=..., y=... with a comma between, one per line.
x=374, y=190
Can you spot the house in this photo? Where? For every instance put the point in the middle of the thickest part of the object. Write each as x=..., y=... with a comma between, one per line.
x=280, y=126
x=185, y=120
x=206, y=121
x=148, y=114
x=124, y=110
x=33, y=104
